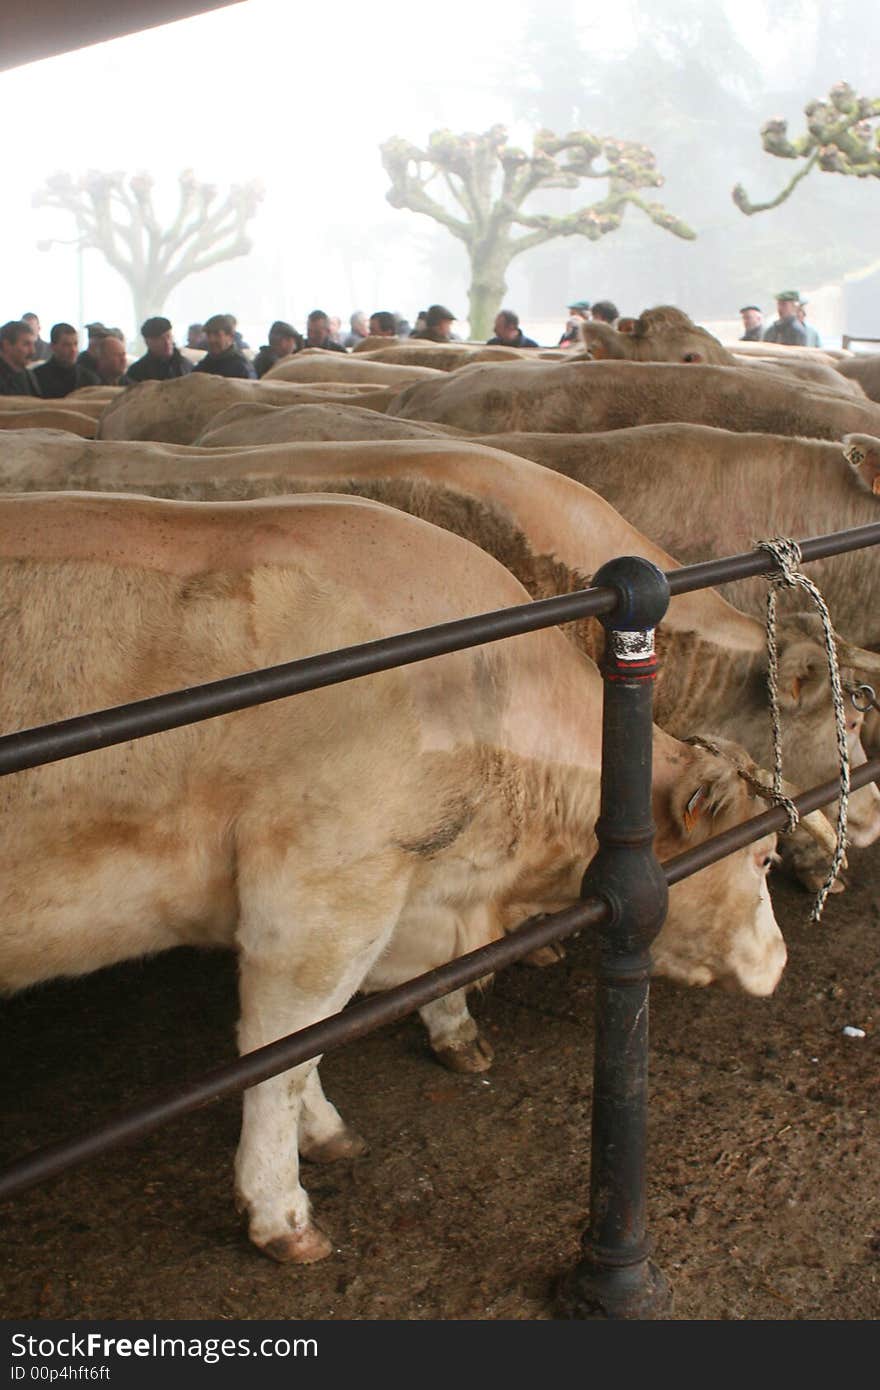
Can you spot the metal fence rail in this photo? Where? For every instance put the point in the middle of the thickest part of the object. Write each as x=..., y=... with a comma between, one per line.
x=102, y=729
x=623, y=894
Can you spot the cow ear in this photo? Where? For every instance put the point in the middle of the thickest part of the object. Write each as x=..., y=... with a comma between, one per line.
x=862, y=453
x=694, y=808
x=704, y=799
x=803, y=676
x=603, y=342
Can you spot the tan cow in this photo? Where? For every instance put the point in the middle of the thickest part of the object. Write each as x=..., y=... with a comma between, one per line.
x=347, y=839
x=866, y=371
x=704, y=493
x=49, y=417
x=317, y=364
x=267, y=424
x=446, y=357
x=829, y=357
x=177, y=411
x=95, y=393
x=550, y=533
x=664, y=334
x=92, y=408
x=667, y=334
x=581, y=397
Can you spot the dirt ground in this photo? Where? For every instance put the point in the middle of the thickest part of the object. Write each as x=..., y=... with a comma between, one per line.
x=764, y=1166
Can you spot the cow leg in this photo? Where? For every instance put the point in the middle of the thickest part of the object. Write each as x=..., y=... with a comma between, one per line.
x=324, y=1135
x=429, y=936
x=453, y=1035
x=292, y=976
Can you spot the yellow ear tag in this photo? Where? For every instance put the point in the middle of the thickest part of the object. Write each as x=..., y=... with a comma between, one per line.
x=694, y=809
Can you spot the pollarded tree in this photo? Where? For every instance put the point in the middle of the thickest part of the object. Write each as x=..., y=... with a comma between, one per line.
x=842, y=137
x=490, y=181
x=116, y=215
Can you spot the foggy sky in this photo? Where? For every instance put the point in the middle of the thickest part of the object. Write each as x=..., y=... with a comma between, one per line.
x=302, y=99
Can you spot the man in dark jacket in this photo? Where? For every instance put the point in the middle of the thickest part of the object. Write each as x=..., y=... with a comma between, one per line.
x=61, y=373
x=41, y=347
x=16, y=350
x=162, y=360
x=787, y=328
x=319, y=332
x=283, y=342
x=508, y=332
x=89, y=356
x=223, y=357
x=438, y=325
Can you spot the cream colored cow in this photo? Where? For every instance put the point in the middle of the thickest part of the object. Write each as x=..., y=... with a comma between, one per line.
x=579, y=397
x=347, y=839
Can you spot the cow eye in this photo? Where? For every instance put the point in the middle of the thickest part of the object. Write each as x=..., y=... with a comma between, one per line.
x=691, y=357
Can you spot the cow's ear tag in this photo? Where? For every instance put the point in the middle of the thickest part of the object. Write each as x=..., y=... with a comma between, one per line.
x=694, y=809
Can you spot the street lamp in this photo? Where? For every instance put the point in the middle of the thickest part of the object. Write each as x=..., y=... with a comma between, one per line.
x=79, y=243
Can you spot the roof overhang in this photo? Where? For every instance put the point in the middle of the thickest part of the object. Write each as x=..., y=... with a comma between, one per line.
x=50, y=27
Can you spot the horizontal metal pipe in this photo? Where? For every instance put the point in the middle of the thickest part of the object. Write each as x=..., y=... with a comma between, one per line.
x=360, y=1018
x=683, y=865
x=104, y=728
x=365, y=1015
x=752, y=562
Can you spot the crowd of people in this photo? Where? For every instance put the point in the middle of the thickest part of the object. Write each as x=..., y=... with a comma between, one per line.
x=31, y=366
x=790, y=326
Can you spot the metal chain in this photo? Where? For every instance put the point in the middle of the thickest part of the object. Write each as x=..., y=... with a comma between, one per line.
x=787, y=555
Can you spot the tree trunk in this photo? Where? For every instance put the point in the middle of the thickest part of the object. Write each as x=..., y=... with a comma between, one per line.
x=148, y=298
x=487, y=288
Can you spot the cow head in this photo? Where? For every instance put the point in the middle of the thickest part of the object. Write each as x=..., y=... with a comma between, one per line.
x=664, y=334
x=720, y=924
x=809, y=732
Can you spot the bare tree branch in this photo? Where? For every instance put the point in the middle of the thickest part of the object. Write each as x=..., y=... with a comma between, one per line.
x=840, y=138
x=117, y=217
x=490, y=180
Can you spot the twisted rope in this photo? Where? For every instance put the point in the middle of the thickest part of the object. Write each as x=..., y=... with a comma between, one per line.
x=787, y=555
x=761, y=789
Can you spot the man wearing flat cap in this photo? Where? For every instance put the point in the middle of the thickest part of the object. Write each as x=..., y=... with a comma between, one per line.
x=438, y=325
x=787, y=327
x=162, y=360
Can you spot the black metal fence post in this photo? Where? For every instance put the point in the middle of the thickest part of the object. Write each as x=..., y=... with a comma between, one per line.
x=615, y=1277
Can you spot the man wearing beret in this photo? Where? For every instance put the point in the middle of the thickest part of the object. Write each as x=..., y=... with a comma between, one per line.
x=162, y=360
x=787, y=327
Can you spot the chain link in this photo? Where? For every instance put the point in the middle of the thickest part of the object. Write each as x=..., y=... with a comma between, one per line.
x=862, y=697
x=787, y=555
